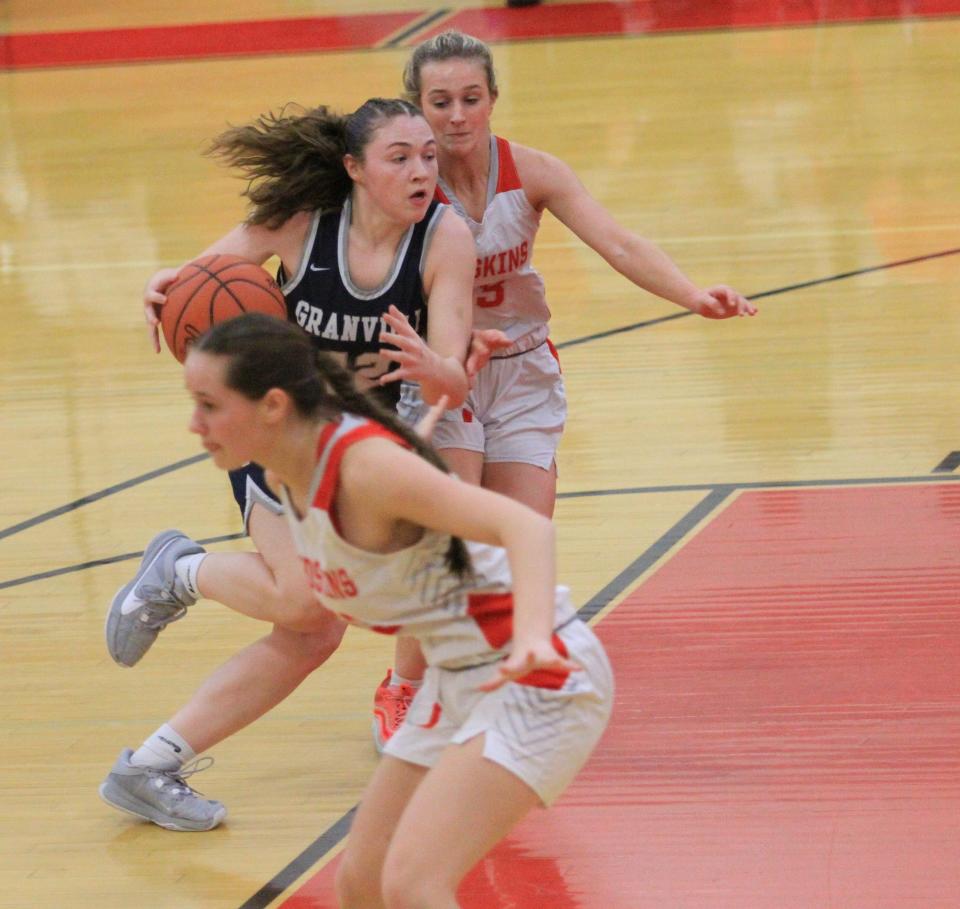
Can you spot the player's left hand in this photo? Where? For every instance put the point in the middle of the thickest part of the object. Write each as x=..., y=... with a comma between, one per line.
x=416, y=362
x=722, y=302
x=525, y=658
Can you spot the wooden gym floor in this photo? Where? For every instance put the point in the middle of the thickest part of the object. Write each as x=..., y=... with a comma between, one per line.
x=761, y=516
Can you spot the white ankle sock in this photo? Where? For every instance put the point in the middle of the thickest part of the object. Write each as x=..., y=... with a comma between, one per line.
x=166, y=749
x=400, y=680
x=186, y=569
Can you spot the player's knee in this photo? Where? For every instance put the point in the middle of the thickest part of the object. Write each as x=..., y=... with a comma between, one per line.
x=408, y=886
x=300, y=611
x=318, y=646
x=309, y=649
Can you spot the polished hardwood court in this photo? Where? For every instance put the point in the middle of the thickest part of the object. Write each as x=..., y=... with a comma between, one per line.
x=760, y=515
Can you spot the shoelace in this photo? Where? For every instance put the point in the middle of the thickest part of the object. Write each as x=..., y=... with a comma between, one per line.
x=158, y=601
x=402, y=703
x=179, y=777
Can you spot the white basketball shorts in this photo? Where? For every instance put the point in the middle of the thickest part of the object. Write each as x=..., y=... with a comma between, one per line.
x=516, y=410
x=542, y=735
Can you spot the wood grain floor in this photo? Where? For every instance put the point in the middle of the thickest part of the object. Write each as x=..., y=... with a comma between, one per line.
x=765, y=159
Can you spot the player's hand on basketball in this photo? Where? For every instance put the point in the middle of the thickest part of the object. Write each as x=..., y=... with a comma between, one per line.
x=484, y=342
x=527, y=657
x=722, y=302
x=428, y=422
x=153, y=299
x=415, y=360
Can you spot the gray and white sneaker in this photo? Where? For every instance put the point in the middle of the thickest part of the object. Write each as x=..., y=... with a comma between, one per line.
x=161, y=796
x=154, y=598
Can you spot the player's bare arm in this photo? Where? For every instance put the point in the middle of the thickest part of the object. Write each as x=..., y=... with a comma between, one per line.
x=448, y=281
x=419, y=495
x=553, y=185
x=254, y=243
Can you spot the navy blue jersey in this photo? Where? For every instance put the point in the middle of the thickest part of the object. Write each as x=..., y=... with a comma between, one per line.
x=345, y=319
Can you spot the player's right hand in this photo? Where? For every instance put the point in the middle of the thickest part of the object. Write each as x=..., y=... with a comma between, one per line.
x=525, y=658
x=483, y=343
x=722, y=302
x=153, y=299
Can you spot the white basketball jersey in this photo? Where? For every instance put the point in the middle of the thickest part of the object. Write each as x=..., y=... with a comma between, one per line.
x=508, y=291
x=458, y=621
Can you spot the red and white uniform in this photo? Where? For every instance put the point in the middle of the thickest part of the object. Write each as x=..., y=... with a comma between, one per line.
x=517, y=407
x=508, y=291
x=464, y=626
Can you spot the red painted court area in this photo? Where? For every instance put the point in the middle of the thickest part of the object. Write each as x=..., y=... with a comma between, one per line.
x=641, y=17
x=787, y=729
x=492, y=23
x=204, y=40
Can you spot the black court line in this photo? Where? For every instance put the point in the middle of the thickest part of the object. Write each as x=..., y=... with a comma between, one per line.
x=949, y=464
x=110, y=490
x=416, y=27
x=654, y=552
x=760, y=296
x=756, y=484
x=82, y=566
x=301, y=864
x=102, y=494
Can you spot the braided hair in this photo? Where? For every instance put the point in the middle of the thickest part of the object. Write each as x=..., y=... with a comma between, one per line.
x=293, y=159
x=264, y=352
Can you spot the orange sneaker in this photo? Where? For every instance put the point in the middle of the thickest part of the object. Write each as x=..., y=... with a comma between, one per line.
x=390, y=705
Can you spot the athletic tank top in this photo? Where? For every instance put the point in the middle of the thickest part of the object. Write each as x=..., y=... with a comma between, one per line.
x=508, y=291
x=458, y=621
x=344, y=319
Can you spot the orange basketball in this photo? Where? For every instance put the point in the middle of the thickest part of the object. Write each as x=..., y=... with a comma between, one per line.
x=212, y=289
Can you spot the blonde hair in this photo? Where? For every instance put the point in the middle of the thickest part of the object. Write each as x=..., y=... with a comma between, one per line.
x=449, y=45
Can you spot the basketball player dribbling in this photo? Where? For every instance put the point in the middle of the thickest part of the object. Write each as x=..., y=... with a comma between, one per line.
x=366, y=255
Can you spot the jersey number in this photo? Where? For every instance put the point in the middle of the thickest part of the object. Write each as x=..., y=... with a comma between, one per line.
x=490, y=295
